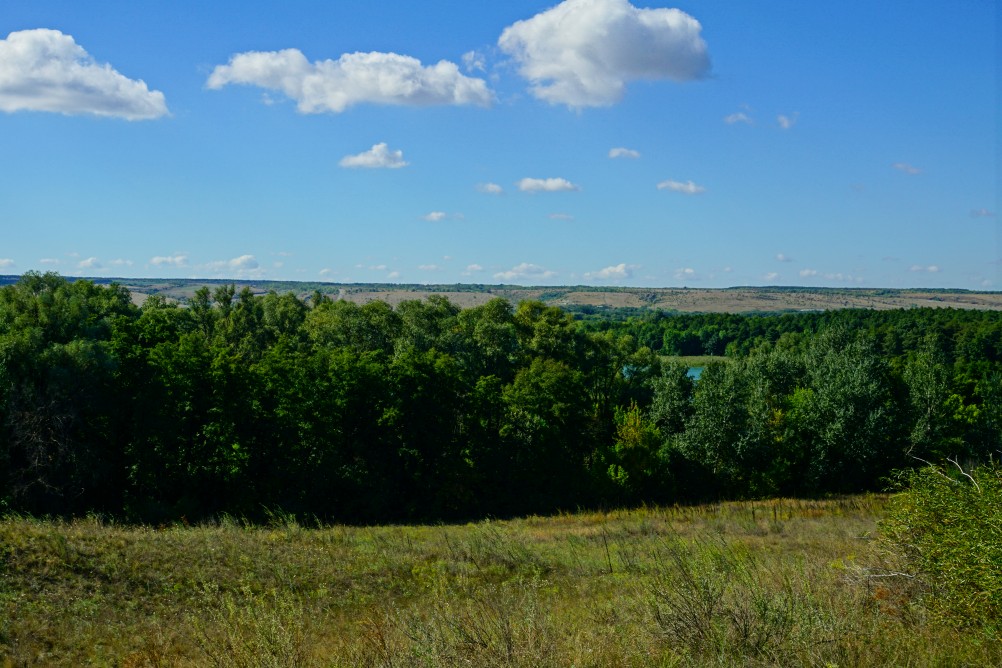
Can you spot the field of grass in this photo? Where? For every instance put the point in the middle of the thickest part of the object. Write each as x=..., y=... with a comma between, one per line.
x=770, y=583
x=695, y=360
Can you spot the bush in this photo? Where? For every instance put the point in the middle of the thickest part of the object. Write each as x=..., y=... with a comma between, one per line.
x=948, y=525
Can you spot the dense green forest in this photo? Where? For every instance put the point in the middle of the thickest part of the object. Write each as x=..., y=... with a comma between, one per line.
x=243, y=404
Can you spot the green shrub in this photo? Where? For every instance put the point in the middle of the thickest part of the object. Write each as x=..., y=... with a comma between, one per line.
x=948, y=525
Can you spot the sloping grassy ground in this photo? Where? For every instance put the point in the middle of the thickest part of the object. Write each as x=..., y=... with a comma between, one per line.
x=774, y=583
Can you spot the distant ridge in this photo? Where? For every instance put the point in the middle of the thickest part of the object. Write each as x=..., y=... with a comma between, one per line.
x=738, y=299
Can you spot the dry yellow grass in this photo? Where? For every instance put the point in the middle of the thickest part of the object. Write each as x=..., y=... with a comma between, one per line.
x=782, y=582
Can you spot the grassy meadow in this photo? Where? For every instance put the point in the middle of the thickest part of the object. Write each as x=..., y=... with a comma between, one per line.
x=770, y=583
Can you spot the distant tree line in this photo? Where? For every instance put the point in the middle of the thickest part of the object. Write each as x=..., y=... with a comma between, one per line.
x=236, y=403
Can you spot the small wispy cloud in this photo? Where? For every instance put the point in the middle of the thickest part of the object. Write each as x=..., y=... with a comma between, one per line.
x=560, y=216
x=170, y=260
x=435, y=216
x=617, y=272
x=429, y=267
x=90, y=263
x=771, y=276
x=50, y=261
x=525, y=272
x=787, y=122
x=929, y=269
x=624, y=153
x=243, y=265
x=378, y=157
x=472, y=269
x=121, y=262
x=982, y=213
x=683, y=273
x=549, y=185
x=807, y=273
x=780, y=257
x=738, y=117
x=684, y=187
x=393, y=275
x=906, y=168
x=474, y=61
x=490, y=188
x=6, y=262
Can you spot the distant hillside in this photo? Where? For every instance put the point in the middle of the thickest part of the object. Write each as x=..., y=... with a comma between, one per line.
x=688, y=300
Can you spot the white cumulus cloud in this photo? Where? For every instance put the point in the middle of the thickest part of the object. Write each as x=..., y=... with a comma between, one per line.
x=684, y=187
x=434, y=216
x=46, y=70
x=354, y=78
x=624, y=153
x=582, y=53
x=546, y=185
x=6, y=262
x=738, y=117
x=617, y=272
x=525, y=272
x=89, y=263
x=377, y=157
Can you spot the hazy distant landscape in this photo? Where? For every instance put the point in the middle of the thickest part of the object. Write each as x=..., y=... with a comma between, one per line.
x=684, y=300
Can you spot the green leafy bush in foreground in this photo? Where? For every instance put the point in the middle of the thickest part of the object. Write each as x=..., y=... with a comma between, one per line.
x=949, y=527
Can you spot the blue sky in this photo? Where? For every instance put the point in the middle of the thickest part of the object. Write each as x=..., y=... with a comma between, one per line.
x=596, y=142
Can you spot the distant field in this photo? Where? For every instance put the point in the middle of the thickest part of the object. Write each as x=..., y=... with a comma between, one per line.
x=686, y=300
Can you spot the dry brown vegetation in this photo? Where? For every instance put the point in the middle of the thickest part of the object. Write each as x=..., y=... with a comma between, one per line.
x=686, y=300
x=771, y=583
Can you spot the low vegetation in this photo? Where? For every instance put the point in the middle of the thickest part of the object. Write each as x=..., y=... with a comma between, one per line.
x=769, y=583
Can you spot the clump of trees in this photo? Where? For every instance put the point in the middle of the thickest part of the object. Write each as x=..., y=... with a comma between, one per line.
x=240, y=403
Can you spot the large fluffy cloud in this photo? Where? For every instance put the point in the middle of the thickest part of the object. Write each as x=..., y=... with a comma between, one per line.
x=582, y=53
x=354, y=78
x=45, y=70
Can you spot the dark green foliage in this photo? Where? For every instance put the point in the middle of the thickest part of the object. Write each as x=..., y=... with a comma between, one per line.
x=242, y=403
